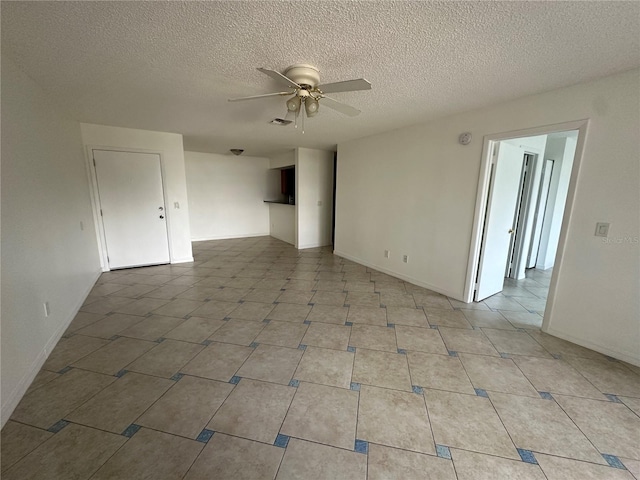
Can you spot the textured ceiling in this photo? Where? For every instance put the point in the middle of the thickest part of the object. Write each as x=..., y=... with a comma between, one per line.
x=170, y=66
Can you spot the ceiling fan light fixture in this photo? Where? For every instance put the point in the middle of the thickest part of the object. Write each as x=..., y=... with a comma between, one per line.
x=311, y=106
x=293, y=104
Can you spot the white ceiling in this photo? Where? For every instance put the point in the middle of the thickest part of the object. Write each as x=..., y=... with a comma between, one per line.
x=171, y=66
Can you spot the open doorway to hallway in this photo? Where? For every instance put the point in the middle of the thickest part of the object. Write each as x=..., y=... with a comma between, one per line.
x=525, y=201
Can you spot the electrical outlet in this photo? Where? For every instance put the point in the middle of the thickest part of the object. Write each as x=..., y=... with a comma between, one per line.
x=387, y=254
x=405, y=259
x=47, y=311
x=602, y=229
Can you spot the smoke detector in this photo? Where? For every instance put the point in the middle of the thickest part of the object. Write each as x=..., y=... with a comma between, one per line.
x=237, y=151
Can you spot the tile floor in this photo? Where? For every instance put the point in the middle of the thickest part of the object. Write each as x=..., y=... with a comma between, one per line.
x=258, y=361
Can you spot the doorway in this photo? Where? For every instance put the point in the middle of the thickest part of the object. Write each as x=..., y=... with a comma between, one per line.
x=519, y=224
x=131, y=208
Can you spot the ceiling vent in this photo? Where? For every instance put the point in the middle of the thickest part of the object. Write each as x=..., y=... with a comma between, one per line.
x=280, y=121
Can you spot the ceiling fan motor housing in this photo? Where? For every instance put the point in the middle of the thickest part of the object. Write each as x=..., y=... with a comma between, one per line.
x=304, y=75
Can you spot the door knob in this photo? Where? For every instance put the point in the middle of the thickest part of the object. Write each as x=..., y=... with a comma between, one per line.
x=160, y=208
x=161, y=216
x=511, y=230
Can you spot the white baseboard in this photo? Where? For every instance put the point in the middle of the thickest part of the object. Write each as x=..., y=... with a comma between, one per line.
x=227, y=237
x=23, y=385
x=625, y=357
x=313, y=245
x=407, y=278
x=182, y=260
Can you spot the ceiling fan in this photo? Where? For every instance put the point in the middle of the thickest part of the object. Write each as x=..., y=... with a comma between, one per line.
x=306, y=91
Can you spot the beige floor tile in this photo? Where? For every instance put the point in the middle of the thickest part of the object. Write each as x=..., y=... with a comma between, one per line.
x=135, y=291
x=311, y=460
x=336, y=299
x=142, y=306
x=187, y=407
x=392, y=463
x=284, y=334
x=195, y=329
x=42, y=378
x=440, y=372
x=110, y=325
x=541, y=426
x=104, y=289
x=420, y=339
x=523, y=319
x=114, y=356
x=241, y=282
x=152, y=328
x=469, y=423
x=239, y=332
x=363, y=298
x=198, y=292
x=467, y=306
x=373, y=338
x=382, y=369
x=218, y=361
x=106, y=305
x=447, y=318
x=151, y=454
x=326, y=367
x=69, y=350
x=367, y=315
x=481, y=318
x=497, y=375
x=632, y=403
x=397, y=299
x=262, y=296
x=519, y=343
x=288, y=312
x=83, y=319
x=557, y=346
x=328, y=314
x=118, y=405
x=166, y=359
x=236, y=458
x=556, y=376
x=504, y=303
x=303, y=275
x=228, y=294
x=633, y=466
x=54, y=401
x=556, y=468
x=254, y=410
x=180, y=308
x=323, y=414
x=326, y=335
x=607, y=376
x=301, y=285
x=469, y=341
x=433, y=300
x=537, y=305
x=299, y=297
x=18, y=440
x=167, y=291
x=389, y=287
x=331, y=285
x=366, y=287
x=477, y=466
x=414, y=317
x=76, y=452
x=215, y=309
x=395, y=419
x=610, y=426
x=330, y=276
x=271, y=364
x=252, y=311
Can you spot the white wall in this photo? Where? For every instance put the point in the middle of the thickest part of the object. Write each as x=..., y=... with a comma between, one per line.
x=226, y=195
x=46, y=256
x=283, y=222
x=562, y=150
x=169, y=146
x=314, y=185
x=285, y=159
x=413, y=191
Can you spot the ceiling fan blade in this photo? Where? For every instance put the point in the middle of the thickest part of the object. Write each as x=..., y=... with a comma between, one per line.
x=279, y=77
x=345, y=86
x=339, y=106
x=240, y=99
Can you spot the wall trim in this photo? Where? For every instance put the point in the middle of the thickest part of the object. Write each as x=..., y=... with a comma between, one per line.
x=595, y=346
x=227, y=237
x=401, y=276
x=27, y=379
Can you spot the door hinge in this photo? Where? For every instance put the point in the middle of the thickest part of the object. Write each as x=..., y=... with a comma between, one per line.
x=101, y=212
x=108, y=259
x=94, y=162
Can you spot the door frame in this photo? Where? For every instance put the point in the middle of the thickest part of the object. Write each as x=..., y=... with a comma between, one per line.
x=95, y=199
x=482, y=194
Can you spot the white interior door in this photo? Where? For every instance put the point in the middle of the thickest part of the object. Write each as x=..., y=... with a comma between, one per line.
x=498, y=225
x=543, y=196
x=132, y=207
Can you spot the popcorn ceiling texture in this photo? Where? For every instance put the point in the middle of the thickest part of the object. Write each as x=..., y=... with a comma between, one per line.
x=170, y=66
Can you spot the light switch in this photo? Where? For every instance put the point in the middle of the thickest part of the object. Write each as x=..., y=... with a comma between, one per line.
x=602, y=229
